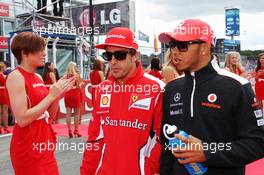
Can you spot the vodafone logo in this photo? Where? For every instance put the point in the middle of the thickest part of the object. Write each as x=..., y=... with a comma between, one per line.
x=212, y=98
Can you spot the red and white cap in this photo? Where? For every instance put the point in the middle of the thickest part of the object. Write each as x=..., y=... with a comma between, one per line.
x=119, y=37
x=190, y=30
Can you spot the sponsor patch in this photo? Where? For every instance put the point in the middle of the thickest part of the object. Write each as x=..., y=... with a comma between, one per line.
x=211, y=105
x=139, y=102
x=105, y=100
x=260, y=122
x=212, y=98
x=176, y=112
x=258, y=113
x=177, y=97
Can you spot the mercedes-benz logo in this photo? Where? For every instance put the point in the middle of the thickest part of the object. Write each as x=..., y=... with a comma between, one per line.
x=177, y=97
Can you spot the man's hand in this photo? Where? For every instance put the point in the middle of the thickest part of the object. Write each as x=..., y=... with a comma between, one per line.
x=192, y=151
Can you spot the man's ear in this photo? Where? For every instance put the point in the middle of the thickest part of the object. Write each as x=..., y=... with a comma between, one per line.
x=135, y=58
x=23, y=54
x=205, y=49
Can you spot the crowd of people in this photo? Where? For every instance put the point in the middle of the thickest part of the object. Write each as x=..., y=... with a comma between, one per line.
x=130, y=128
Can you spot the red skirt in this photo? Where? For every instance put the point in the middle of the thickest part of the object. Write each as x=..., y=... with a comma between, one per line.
x=3, y=96
x=32, y=149
x=259, y=89
x=73, y=98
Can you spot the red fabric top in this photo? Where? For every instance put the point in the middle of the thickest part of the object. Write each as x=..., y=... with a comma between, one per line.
x=48, y=79
x=156, y=74
x=238, y=71
x=3, y=94
x=35, y=87
x=261, y=75
x=95, y=77
x=2, y=80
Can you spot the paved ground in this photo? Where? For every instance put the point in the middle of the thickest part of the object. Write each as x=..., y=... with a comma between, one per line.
x=68, y=159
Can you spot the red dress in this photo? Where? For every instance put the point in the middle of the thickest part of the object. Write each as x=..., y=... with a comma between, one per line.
x=26, y=157
x=156, y=74
x=47, y=79
x=73, y=98
x=259, y=86
x=3, y=94
x=95, y=80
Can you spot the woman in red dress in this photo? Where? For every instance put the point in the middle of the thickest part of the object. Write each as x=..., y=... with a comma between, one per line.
x=96, y=76
x=33, y=142
x=233, y=64
x=259, y=86
x=49, y=78
x=48, y=75
x=3, y=101
x=73, y=99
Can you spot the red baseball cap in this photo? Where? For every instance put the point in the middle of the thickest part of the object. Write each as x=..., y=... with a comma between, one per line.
x=190, y=30
x=119, y=37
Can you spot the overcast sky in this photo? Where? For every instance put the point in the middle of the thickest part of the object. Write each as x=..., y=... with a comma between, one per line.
x=155, y=16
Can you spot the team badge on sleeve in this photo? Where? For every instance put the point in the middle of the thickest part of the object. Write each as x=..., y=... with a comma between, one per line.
x=140, y=102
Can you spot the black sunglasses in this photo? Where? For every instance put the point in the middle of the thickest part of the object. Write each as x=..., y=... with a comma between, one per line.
x=182, y=45
x=119, y=55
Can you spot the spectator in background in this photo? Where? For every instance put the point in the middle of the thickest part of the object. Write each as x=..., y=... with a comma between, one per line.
x=169, y=71
x=96, y=75
x=259, y=86
x=73, y=99
x=233, y=64
x=49, y=78
x=8, y=68
x=57, y=75
x=48, y=75
x=3, y=101
x=155, y=68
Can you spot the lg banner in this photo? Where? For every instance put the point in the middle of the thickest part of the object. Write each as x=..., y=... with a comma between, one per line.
x=106, y=16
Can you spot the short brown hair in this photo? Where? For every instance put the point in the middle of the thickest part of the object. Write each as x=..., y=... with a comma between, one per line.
x=28, y=42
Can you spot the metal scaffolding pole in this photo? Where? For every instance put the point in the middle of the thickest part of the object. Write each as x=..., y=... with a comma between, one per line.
x=92, y=32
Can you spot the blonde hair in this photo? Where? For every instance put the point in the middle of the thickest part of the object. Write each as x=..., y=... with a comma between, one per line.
x=231, y=67
x=2, y=67
x=71, y=69
x=169, y=63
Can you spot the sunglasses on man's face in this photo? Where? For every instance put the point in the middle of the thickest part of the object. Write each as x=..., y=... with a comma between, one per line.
x=119, y=55
x=182, y=46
